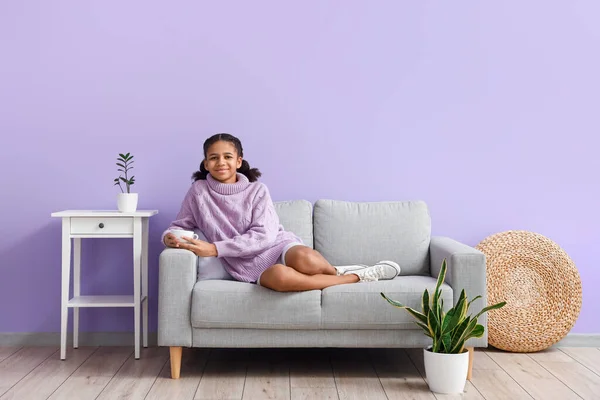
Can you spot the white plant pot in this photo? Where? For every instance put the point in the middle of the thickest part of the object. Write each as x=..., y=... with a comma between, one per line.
x=446, y=373
x=127, y=202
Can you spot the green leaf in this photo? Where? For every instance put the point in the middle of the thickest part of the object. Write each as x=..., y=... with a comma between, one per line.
x=126, y=156
x=435, y=329
x=438, y=307
x=492, y=307
x=457, y=348
x=441, y=276
x=425, y=328
x=446, y=321
x=417, y=315
x=414, y=313
x=436, y=295
x=451, y=320
x=433, y=323
x=471, y=331
x=116, y=180
x=447, y=342
x=123, y=179
x=463, y=337
x=476, y=332
x=425, y=302
x=458, y=332
x=464, y=309
x=121, y=165
x=472, y=300
x=455, y=316
x=462, y=297
x=392, y=302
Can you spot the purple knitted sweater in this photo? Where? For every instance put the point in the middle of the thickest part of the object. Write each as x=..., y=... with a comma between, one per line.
x=240, y=219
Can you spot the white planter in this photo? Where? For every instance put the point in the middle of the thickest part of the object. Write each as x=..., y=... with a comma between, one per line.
x=446, y=373
x=127, y=202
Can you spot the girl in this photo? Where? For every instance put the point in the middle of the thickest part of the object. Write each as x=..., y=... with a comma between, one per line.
x=237, y=216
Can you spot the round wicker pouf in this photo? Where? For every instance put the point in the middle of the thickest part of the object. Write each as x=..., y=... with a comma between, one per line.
x=541, y=287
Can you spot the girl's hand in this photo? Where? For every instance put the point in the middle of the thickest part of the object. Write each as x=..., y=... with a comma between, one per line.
x=198, y=247
x=171, y=240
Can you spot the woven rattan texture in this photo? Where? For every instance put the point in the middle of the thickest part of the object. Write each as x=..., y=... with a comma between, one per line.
x=541, y=286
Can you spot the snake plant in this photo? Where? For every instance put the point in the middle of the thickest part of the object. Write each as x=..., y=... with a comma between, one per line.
x=449, y=331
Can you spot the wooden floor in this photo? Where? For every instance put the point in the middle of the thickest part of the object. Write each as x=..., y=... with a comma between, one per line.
x=112, y=373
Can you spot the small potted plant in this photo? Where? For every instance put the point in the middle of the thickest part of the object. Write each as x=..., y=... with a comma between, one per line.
x=126, y=201
x=446, y=360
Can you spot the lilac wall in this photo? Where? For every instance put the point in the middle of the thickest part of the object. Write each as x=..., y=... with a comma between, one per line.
x=488, y=112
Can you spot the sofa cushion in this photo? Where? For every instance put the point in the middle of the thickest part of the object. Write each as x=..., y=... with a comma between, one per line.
x=233, y=304
x=364, y=233
x=296, y=216
x=360, y=305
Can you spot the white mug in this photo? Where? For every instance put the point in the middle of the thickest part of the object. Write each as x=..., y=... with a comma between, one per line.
x=179, y=233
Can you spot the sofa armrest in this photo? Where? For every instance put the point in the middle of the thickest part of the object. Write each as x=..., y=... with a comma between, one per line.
x=177, y=275
x=466, y=269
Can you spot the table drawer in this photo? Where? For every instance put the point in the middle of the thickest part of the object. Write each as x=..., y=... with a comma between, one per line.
x=101, y=226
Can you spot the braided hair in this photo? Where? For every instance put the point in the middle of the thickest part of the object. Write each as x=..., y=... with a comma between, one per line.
x=251, y=173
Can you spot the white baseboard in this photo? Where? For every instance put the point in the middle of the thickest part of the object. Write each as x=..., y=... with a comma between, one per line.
x=13, y=339
x=126, y=339
x=580, y=340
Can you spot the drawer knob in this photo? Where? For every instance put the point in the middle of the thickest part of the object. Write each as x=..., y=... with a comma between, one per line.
x=101, y=225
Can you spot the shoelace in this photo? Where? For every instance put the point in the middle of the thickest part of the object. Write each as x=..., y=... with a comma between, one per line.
x=373, y=274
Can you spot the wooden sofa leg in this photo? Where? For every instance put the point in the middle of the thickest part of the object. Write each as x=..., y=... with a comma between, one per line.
x=471, y=354
x=175, y=361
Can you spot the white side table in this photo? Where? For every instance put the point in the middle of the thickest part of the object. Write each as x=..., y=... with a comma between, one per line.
x=78, y=224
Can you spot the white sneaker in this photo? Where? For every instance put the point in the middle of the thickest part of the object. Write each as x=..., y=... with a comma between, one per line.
x=383, y=270
x=345, y=269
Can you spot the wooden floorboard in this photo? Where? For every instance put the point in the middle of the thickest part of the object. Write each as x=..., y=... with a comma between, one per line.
x=589, y=357
x=94, y=374
x=355, y=377
x=224, y=376
x=267, y=379
x=47, y=377
x=532, y=377
x=398, y=375
x=288, y=374
x=135, y=378
x=19, y=364
x=574, y=374
x=6, y=352
x=311, y=369
x=192, y=364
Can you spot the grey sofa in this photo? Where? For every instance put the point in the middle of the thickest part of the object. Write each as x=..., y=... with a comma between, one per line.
x=227, y=313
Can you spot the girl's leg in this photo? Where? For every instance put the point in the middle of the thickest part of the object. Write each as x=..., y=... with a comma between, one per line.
x=285, y=279
x=308, y=261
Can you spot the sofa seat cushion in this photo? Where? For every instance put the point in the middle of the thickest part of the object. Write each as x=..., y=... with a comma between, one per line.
x=233, y=304
x=360, y=305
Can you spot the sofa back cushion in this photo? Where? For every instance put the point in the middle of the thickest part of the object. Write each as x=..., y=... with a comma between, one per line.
x=296, y=217
x=366, y=232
